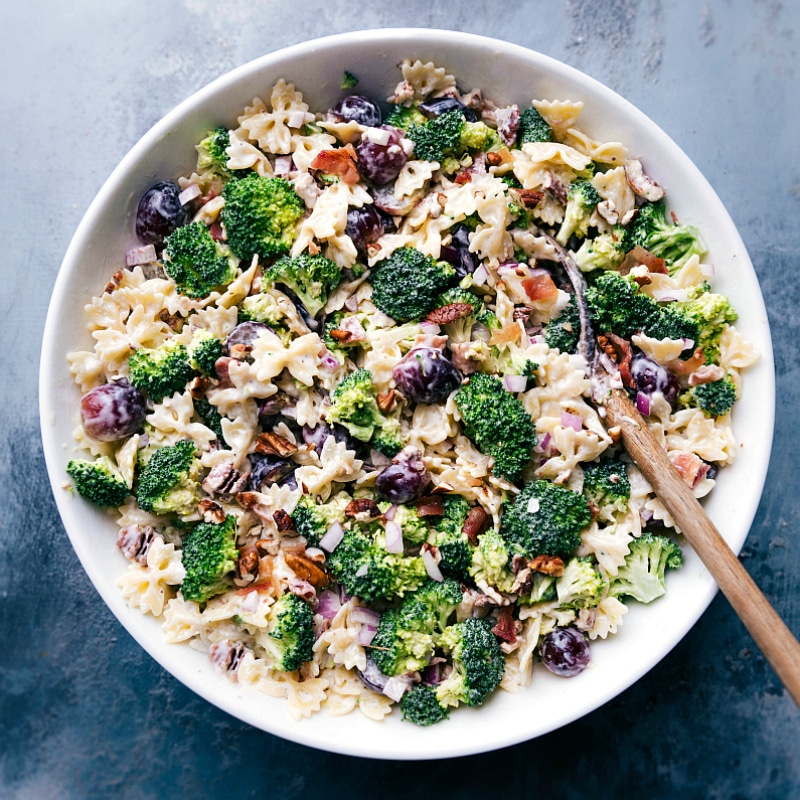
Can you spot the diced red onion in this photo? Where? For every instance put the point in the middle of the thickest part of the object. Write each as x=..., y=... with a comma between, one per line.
x=536, y=339
x=365, y=616
x=328, y=604
x=365, y=634
x=515, y=383
x=571, y=421
x=328, y=360
x=296, y=119
x=432, y=674
x=663, y=295
x=396, y=687
x=480, y=276
x=189, y=194
x=545, y=443
x=140, y=255
x=508, y=266
x=394, y=538
x=379, y=459
x=283, y=165
x=431, y=566
x=688, y=343
x=334, y=535
x=643, y=404
x=388, y=515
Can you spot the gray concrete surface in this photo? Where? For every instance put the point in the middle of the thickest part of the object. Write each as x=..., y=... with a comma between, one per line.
x=84, y=713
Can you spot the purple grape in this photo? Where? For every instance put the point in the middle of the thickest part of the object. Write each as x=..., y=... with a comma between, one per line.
x=403, y=481
x=466, y=262
x=441, y=105
x=381, y=163
x=159, y=213
x=364, y=226
x=426, y=375
x=268, y=469
x=113, y=411
x=319, y=434
x=244, y=333
x=360, y=109
x=649, y=376
x=565, y=652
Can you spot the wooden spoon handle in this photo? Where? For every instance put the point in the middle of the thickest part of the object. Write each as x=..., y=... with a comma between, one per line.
x=771, y=634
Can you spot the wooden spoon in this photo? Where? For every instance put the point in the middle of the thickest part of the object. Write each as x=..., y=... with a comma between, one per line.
x=770, y=632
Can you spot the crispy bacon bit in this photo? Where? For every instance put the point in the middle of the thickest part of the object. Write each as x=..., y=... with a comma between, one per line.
x=387, y=400
x=306, y=569
x=345, y=337
x=641, y=183
x=620, y=351
x=475, y=524
x=212, y=512
x=522, y=312
x=449, y=313
x=639, y=256
x=465, y=176
x=505, y=628
x=708, y=373
x=222, y=367
x=678, y=367
x=240, y=351
x=548, y=565
x=430, y=506
x=272, y=444
x=690, y=467
x=217, y=234
x=362, y=506
x=539, y=285
x=283, y=522
x=341, y=162
x=114, y=282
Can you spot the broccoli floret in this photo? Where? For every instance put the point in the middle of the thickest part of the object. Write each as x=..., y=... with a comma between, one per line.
x=260, y=216
x=363, y=566
x=211, y=418
x=564, y=332
x=290, y=633
x=605, y=251
x=212, y=152
x=581, y=585
x=388, y=439
x=582, y=198
x=543, y=588
x=439, y=137
x=460, y=330
x=406, y=285
x=405, y=117
x=349, y=81
x=208, y=554
x=415, y=529
x=162, y=371
x=712, y=312
x=353, y=405
x=479, y=136
x=606, y=484
x=715, y=399
x=311, y=278
x=491, y=561
x=455, y=550
x=533, y=128
x=261, y=307
x=98, y=481
x=618, y=306
x=478, y=663
x=420, y=706
x=663, y=238
x=168, y=481
x=197, y=263
x=312, y=520
x=545, y=519
x=498, y=424
x=204, y=350
x=642, y=575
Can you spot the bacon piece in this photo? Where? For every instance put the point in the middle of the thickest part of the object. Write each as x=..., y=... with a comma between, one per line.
x=430, y=506
x=690, y=467
x=505, y=629
x=639, y=256
x=539, y=285
x=678, y=367
x=341, y=162
x=475, y=524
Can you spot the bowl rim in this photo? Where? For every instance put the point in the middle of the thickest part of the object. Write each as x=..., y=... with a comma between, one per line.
x=234, y=701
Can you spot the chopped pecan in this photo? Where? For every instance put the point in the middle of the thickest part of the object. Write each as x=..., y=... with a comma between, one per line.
x=175, y=321
x=226, y=656
x=530, y=198
x=362, y=506
x=345, y=337
x=271, y=444
x=387, y=400
x=494, y=159
x=263, y=547
x=475, y=524
x=212, y=512
x=431, y=506
x=505, y=628
x=240, y=351
x=615, y=434
x=198, y=387
x=642, y=280
x=522, y=312
x=225, y=479
x=247, y=567
x=642, y=184
x=114, y=282
x=283, y=522
x=449, y=313
x=135, y=542
x=442, y=488
x=593, y=508
x=549, y=565
x=306, y=569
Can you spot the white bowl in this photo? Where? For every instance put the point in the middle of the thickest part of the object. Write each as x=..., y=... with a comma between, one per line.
x=506, y=73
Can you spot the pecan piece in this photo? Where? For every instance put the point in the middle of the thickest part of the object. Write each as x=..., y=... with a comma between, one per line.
x=475, y=524
x=225, y=479
x=198, y=387
x=530, y=198
x=283, y=522
x=548, y=565
x=271, y=444
x=226, y=656
x=135, y=541
x=306, y=569
x=240, y=351
x=494, y=159
x=247, y=567
x=449, y=313
x=212, y=512
x=387, y=400
x=430, y=506
x=362, y=506
x=345, y=337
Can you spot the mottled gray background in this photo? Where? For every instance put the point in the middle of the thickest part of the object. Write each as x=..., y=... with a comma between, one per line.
x=83, y=711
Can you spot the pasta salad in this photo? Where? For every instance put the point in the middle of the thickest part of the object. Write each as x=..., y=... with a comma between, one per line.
x=342, y=402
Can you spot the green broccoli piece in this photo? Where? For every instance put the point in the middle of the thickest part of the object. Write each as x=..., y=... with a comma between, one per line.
x=543, y=588
x=204, y=350
x=479, y=136
x=406, y=285
x=642, y=575
x=162, y=371
x=663, y=238
x=478, y=663
x=311, y=278
x=260, y=216
x=580, y=586
x=439, y=137
x=415, y=529
x=545, y=519
x=404, y=117
x=261, y=307
x=208, y=554
x=460, y=330
x=363, y=566
x=168, y=481
x=290, y=633
x=420, y=706
x=455, y=550
x=604, y=251
x=211, y=418
x=498, y=424
x=712, y=312
x=714, y=399
x=99, y=481
x=212, y=152
x=388, y=439
x=349, y=81
x=491, y=562
x=606, y=484
x=564, y=332
x=197, y=263
x=533, y=128
x=582, y=198
x=353, y=405
x=312, y=520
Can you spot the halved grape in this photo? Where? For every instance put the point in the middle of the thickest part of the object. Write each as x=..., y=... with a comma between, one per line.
x=364, y=226
x=649, y=376
x=565, y=652
x=381, y=163
x=403, y=481
x=159, y=213
x=113, y=411
x=426, y=375
x=441, y=105
x=360, y=109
